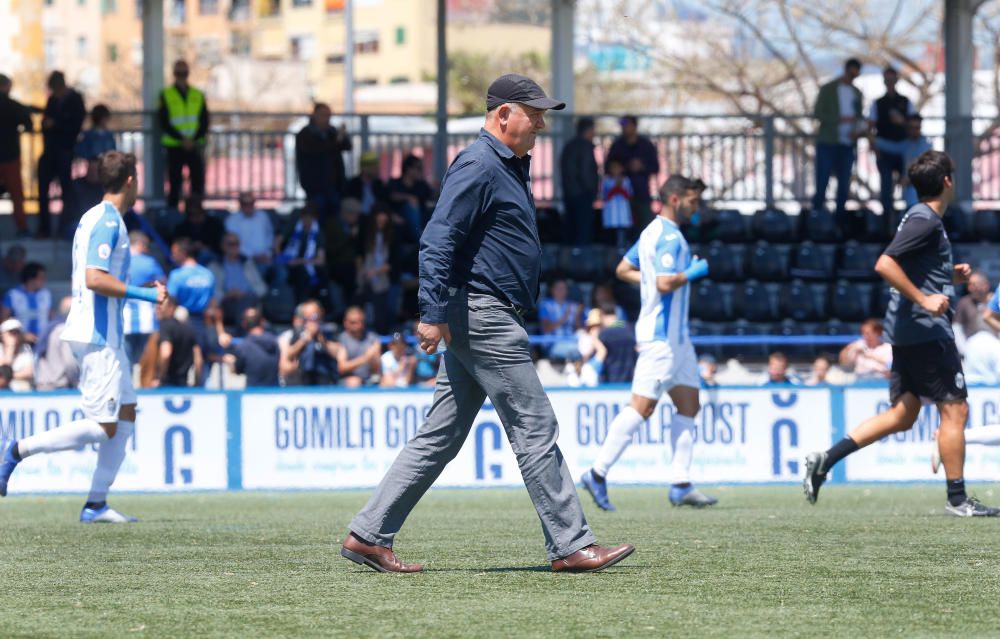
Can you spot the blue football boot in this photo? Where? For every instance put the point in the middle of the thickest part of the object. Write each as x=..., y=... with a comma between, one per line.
x=7, y=466
x=690, y=496
x=598, y=490
x=104, y=515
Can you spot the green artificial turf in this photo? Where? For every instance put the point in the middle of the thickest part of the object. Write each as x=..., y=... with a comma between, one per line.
x=865, y=562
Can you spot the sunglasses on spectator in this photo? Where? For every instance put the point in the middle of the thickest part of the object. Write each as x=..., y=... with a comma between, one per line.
x=312, y=318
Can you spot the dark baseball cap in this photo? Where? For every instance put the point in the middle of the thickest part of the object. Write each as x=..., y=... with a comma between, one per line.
x=521, y=89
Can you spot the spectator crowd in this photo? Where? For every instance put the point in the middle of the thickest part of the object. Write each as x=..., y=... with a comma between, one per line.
x=341, y=271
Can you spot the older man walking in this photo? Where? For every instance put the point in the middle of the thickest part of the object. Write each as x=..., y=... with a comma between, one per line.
x=480, y=259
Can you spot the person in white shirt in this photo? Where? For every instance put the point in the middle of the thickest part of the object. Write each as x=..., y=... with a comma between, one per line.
x=255, y=231
x=869, y=357
x=662, y=265
x=397, y=364
x=94, y=330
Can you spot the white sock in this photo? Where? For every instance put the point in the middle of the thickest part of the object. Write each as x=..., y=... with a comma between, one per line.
x=682, y=440
x=985, y=435
x=71, y=436
x=110, y=456
x=620, y=432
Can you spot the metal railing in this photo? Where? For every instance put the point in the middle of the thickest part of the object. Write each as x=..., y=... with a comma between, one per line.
x=746, y=161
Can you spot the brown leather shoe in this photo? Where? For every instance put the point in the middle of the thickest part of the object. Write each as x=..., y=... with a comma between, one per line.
x=592, y=558
x=375, y=557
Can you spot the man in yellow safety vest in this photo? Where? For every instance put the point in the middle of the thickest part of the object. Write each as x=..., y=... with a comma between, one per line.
x=184, y=121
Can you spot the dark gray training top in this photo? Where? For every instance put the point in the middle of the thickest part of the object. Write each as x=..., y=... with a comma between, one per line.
x=922, y=249
x=483, y=233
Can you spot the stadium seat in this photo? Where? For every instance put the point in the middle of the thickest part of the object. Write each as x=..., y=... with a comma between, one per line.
x=876, y=228
x=821, y=293
x=278, y=305
x=725, y=261
x=833, y=328
x=585, y=263
x=797, y=302
x=773, y=225
x=698, y=328
x=985, y=225
x=850, y=301
x=708, y=302
x=812, y=262
x=857, y=261
x=791, y=328
x=730, y=226
x=959, y=226
x=742, y=328
x=550, y=257
x=879, y=300
x=820, y=226
x=765, y=262
x=752, y=302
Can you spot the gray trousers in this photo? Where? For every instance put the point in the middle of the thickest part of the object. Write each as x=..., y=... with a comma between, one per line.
x=488, y=356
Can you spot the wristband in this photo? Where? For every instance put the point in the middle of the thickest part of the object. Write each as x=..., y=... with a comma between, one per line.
x=697, y=270
x=141, y=293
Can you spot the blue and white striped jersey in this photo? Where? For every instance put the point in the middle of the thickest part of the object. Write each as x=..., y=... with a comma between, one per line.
x=31, y=308
x=661, y=250
x=101, y=242
x=140, y=315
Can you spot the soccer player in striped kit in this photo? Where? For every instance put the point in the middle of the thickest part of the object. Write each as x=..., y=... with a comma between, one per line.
x=140, y=317
x=94, y=329
x=662, y=265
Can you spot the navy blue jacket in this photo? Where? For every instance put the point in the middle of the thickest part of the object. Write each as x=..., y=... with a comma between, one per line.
x=483, y=233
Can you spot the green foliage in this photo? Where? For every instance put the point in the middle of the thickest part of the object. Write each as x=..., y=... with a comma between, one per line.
x=470, y=74
x=864, y=562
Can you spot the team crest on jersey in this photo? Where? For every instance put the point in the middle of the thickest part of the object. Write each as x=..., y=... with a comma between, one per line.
x=669, y=237
x=959, y=380
x=104, y=251
x=667, y=260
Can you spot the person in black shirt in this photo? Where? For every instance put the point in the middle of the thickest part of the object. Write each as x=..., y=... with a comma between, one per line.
x=411, y=195
x=258, y=354
x=178, y=348
x=203, y=230
x=925, y=361
x=14, y=118
x=61, y=125
x=367, y=187
x=319, y=160
x=888, y=120
x=580, y=181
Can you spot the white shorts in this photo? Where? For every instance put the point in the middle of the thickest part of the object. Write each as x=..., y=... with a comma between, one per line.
x=105, y=381
x=661, y=366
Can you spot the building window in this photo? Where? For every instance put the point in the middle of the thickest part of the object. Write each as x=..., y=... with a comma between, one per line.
x=269, y=8
x=178, y=12
x=239, y=10
x=112, y=53
x=138, y=9
x=239, y=43
x=302, y=47
x=50, y=53
x=108, y=6
x=48, y=3
x=335, y=58
x=81, y=46
x=400, y=35
x=301, y=3
x=81, y=3
x=366, y=41
x=208, y=7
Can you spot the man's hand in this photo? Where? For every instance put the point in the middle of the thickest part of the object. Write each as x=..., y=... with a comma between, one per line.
x=936, y=304
x=161, y=293
x=429, y=335
x=187, y=144
x=962, y=273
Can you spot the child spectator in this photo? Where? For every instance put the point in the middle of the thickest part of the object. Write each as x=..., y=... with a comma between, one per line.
x=616, y=191
x=16, y=352
x=397, y=364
